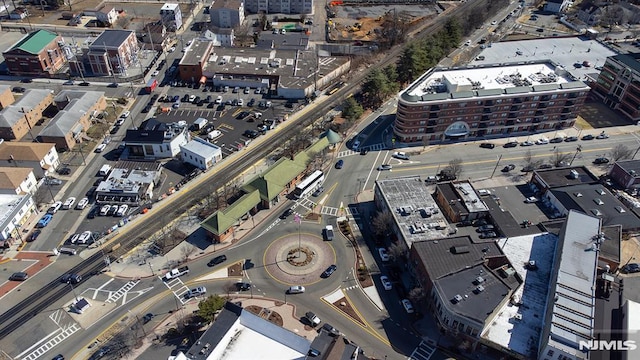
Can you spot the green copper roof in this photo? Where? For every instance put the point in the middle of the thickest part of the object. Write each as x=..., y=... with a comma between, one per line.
x=35, y=42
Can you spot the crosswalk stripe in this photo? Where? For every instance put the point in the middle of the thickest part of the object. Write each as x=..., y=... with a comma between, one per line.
x=423, y=351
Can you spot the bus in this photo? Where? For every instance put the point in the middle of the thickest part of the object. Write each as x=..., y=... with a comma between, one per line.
x=309, y=184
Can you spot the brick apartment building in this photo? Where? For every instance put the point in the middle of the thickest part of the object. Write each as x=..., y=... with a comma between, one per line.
x=619, y=84
x=488, y=101
x=36, y=54
x=114, y=51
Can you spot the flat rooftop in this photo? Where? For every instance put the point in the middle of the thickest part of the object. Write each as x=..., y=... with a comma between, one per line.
x=518, y=327
x=8, y=204
x=410, y=200
x=564, y=51
x=196, y=52
x=561, y=177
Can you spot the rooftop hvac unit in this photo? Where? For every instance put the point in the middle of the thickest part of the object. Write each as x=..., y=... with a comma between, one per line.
x=479, y=280
x=457, y=299
x=479, y=289
x=517, y=317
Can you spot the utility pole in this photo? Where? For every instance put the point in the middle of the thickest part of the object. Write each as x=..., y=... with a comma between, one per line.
x=496, y=167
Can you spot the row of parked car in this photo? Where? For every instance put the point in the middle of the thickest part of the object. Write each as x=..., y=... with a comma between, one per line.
x=544, y=140
x=59, y=205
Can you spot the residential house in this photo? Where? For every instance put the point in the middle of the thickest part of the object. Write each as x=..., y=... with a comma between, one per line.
x=42, y=158
x=76, y=109
x=154, y=36
x=37, y=54
x=6, y=96
x=219, y=36
x=227, y=13
x=171, y=16
x=16, y=210
x=626, y=173
x=16, y=181
x=19, y=118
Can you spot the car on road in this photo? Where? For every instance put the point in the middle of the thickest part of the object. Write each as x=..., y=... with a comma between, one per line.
x=52, y=181
x=100, y=148
x=602, y=135
x=408, y=307
x=68, y=203
x=601, y=160
x=542, y=141
x=488, y=235
x=508, y=168
x=485, y=228
x=631, y=268
x=339, y=164
x=85, y=237
x=71, y=278
x=400, y=155
x=64, y=171
x=355, y=145
x=571, y=139
x=19, y=276
x=556, y=140
x=588, y=137
x=286, y=214
x=384, y=167
x=527, y=143
x=487, y=145
x=34, y=235
x=386, y=283
x=330, y=329
x=84, y=83
x=100, y=353
x=44, y=221
x=312, y=318
x=55, y=207
x=243, y=286
x=82, y=203
x=329, y=271
x=384, y=254
x=147, y=317
x=295, y=289
x=531, y=200
x=318, y=191
x=510, y=144
x=217, y=260
x=74, y=238
x=199, y=291
x=58, y=357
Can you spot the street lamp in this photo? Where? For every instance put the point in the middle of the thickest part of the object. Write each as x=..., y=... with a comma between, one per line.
x=139, y=323
x=298, y=219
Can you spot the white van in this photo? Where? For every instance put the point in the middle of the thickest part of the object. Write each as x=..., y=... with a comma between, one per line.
x=104, y=170
x=122, y=210
x=200, y=123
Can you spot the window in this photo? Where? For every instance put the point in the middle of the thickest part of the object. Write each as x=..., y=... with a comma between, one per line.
x=550, y=353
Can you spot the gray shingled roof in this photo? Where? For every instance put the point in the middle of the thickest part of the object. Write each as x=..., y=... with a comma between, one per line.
x=68, y=119
x=110, y=39
x=10, y=115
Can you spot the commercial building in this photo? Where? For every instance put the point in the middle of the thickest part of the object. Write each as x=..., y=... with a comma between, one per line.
x=619, y=84
x=279, y=6
x=239, y=334
x=459, y=201
x=155, y=140
x=289, y=74
x=488, y=100
x=193, y=62
x=200, y=153
x=15, y=211
x=16, y=181
x=6, y=96
x=42, y=158
x=76, y=109
x=171, y=16
x=626, y=173
x=130, y=183
x=113, y=52
x=19, y=118
x=291, y=41
x=227, y=13
x=556, y=6
x=36, y=54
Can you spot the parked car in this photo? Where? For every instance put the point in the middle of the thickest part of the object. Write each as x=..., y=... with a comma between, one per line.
x=601, y=160
x=602, y=135
x=531, y=199
x=44, y=221
x=64, y=171
x=330, y=329
x=105, y=209
x=147, y=317
x=312, y=318
x=330, y=270
x=55, y=207
x=588, y=137
x=487, y=145
x=527, y=143
x=510, y=144
x=52, y=181
x=542, y=141
x=86, y=237
x=100, y=353
x=571, y=139
x=384, y=167
x=386, y=283
x=100, y=148
x=74, y=238
x=556, y=140
x=217, y=260
x=295, y=289
x=112, y=210
x=34, y=235
x=384, y=254
x=508, y=168
x=488, y=235
x=82, y=203
x=545, y=166
x=69, y=203
x=408, y=307
x=19, y=276
x=122, y=210
x=339, y=164
x=631, y=268
x=485, y=228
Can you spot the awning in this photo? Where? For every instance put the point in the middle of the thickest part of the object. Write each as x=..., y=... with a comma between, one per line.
x=203, y=80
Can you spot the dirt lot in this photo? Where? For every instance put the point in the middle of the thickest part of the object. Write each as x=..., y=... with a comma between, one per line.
x=364, y=23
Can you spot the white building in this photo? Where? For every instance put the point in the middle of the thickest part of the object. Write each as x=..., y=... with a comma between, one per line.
x=200, y=153
x=226, y=13
x=15, y=210
x=171, y=16
x=155, y=140
x=129, y=183
x=16, y=181
x=219, y=36
x=279, y=6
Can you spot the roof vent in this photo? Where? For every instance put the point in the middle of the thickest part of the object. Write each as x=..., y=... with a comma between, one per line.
x=479, y=289
x=457, y=299
x=517, y=317
x=598, y=201
x=479, y=280
x=573, y=174
x=578, y=194
x=600, y=191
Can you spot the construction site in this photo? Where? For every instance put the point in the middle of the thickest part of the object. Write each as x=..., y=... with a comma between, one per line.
x=367, y=24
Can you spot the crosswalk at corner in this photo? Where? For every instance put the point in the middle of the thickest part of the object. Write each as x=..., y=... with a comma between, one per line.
x=351, y=212
x=376, y=147
x=423, y=351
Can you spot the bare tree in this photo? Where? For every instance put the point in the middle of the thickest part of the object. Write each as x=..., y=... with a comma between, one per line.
x=558, y=158
x=454, y=168
x=398, y=251
x=416, y=295
x=243, y=34
x=425, y=142
x=42, y=196
x=530, y=161
x=621, y=152
x=186, y=251
x=382, y=222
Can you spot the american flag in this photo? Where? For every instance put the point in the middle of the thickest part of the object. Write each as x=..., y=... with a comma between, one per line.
x=297, y=218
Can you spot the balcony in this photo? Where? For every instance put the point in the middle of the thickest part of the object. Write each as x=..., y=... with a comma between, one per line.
x=512, y=115
x=543, y=105
x=435, y=108
x=483, y=125
x=539, y=113
x=433, y=116
x=489, y=103
x=569, y=103
x=517, y=101
x=487, y=110
x=510, y=122
x=514, y=108
x=432, y=123
x=485, y=118
x=545, y=98
x=566, y=110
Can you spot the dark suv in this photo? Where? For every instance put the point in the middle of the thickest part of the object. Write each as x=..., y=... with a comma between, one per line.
x=286, y=214
x=487, y=145
x=217, y=260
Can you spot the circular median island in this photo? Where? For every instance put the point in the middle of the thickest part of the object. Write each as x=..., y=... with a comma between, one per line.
x=301, y=264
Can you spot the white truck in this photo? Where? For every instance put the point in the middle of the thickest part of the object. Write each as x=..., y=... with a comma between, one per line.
x=174, y=273
x=104, y=170
x=328, y=232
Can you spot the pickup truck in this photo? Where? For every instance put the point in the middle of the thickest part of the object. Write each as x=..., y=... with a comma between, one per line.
x=174, y=273
x=328, y=232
